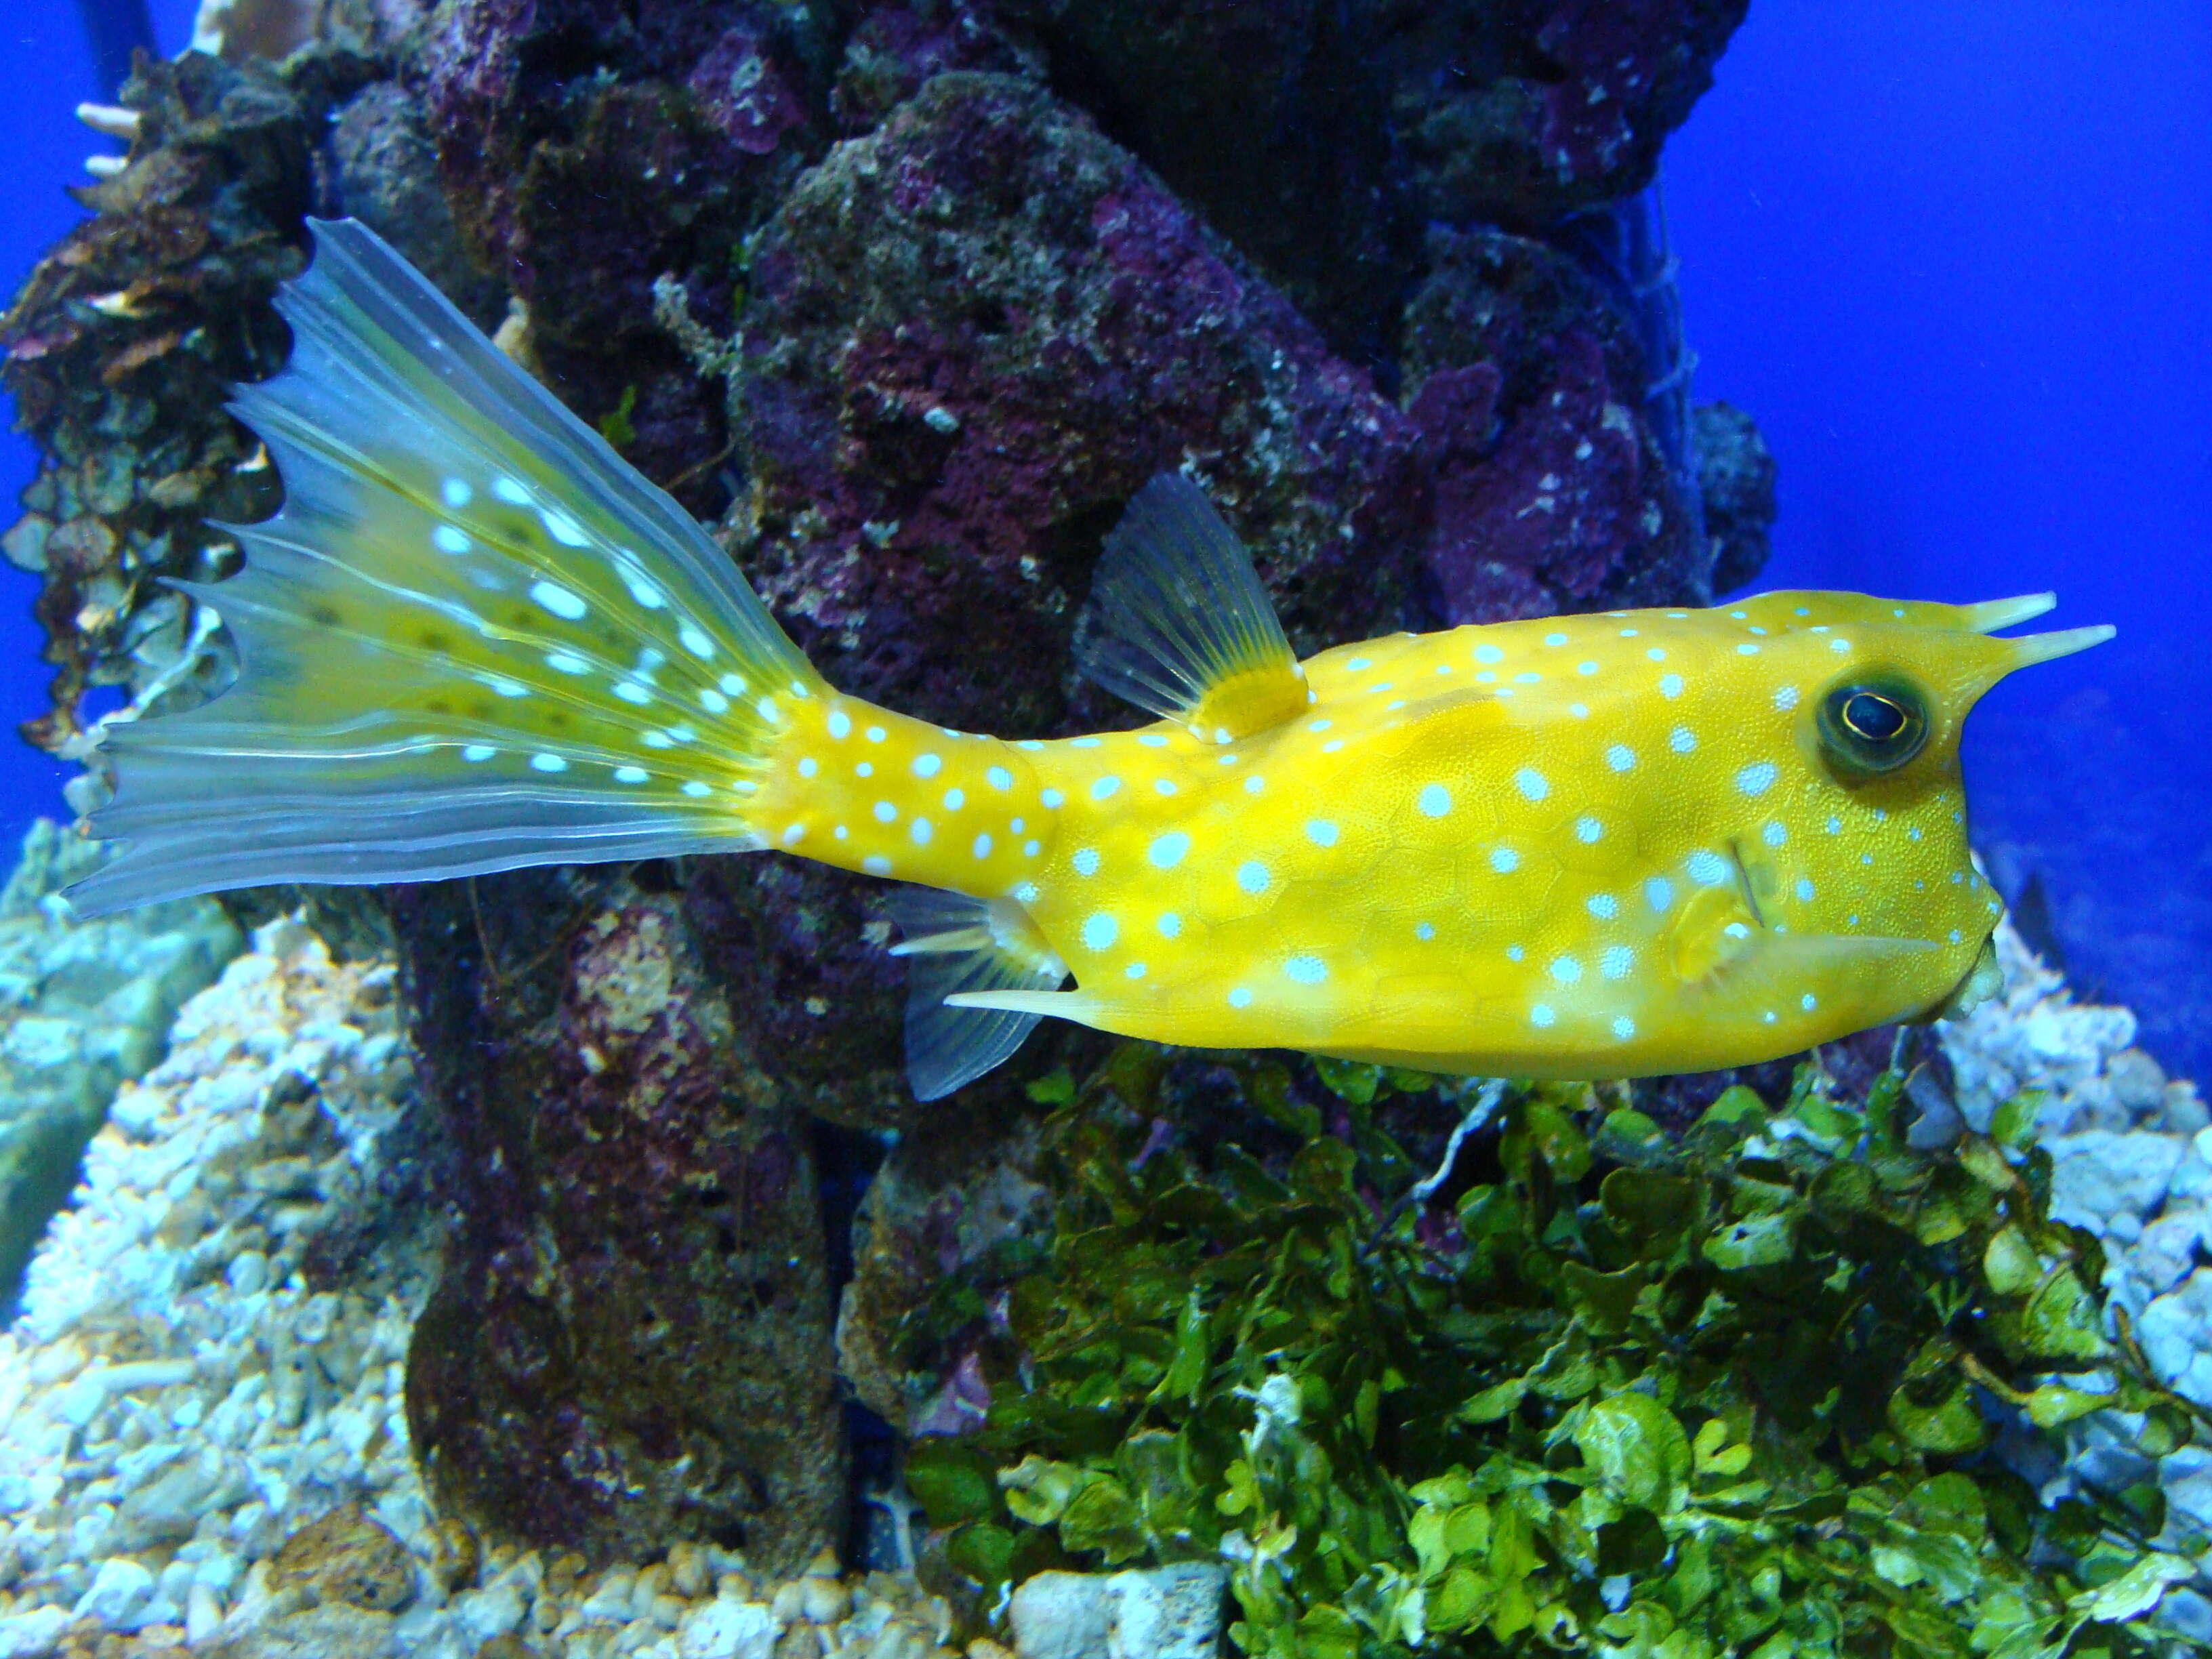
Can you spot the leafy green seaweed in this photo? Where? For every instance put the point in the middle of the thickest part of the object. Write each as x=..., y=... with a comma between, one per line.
x=1728, y=1394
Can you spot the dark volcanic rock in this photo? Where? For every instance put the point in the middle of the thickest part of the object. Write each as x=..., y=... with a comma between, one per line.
x=1519, y=111
x=630, y=1341
x=592, y=147
x=1552, y=490
x=1272, y=117
x=1736, y=474
x=973, y=335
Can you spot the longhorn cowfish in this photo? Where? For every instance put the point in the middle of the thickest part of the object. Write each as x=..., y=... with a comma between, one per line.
x=1601, y=846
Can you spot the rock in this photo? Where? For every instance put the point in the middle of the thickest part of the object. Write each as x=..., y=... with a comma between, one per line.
x=1519, y=114
x=2099, y=1175
x=120, y=1589
x=728, y=1629
x=591, y=147
x=629, y=1342
x=84, y=1007
x=1736, y=476
x=347, y=1557
x=383, y=172
x=32, y=1634
x=482, y=1615
x=1552, y=490
x=1162, y=1613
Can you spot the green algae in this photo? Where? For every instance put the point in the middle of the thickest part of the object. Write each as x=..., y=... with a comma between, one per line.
x=1730, y=1394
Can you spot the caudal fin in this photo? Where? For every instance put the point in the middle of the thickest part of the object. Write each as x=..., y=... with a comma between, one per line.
x=475, y=637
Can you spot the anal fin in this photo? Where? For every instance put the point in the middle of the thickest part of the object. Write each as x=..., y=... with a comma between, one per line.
x=957, y=948
x=1179, y=624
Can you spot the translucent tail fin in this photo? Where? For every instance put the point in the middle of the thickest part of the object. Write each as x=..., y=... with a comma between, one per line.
x=474, y=638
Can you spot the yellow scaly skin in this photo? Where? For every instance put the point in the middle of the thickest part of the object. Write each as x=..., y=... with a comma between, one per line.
x=1574, y=847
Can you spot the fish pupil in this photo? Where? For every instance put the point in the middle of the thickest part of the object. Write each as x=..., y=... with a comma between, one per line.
x=1874, y=717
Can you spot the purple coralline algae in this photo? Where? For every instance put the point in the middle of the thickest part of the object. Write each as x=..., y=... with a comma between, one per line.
x=630, y=1339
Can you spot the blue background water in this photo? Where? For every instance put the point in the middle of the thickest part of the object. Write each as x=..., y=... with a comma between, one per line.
x=1957, y=260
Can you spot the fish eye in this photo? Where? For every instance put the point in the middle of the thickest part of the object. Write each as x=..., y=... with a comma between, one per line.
x=1868, y=727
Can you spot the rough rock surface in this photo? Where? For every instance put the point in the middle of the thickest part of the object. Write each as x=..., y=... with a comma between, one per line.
x=203, y=1439
x=1164, y=1613
x=1522, y=112
x=630, y=1341
x=83, y=1007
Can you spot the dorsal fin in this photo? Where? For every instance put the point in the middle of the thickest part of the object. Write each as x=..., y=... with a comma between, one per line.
x=1179, y=624
x=955, y=944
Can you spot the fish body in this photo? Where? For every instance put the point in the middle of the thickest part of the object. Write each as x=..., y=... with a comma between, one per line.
x=1636, y=843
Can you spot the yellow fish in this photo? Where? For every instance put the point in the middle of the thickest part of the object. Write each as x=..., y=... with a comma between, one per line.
x=1611, y=846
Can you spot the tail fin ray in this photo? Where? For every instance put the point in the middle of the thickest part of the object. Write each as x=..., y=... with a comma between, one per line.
x=474, y=638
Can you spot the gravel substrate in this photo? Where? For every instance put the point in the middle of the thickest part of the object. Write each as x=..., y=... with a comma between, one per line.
x=200, y=1447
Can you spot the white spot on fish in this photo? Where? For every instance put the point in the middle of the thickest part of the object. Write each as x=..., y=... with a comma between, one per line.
x=446, y=539
x=1655, y=654
x=1585, y=668
x=999, y=778
x=1252, y=875
x=456, y=493
x=981, y=847
x=1840, y=645
x=1602, y=905
x=1555, y=639
x=1757, y=778
x=1710, y=868
x=478, y=752
x=697, y=790
x=1167, y=851
x=1320, y=725
x=839, y=723
x=1587, y=830
x=1807, y=1002
x=646, y=596
x=696, y=642
x=1099, y=930
x=1747, y=649
x=793, y=834
x=1424, y=930
x=713, y=702
x=1566, y=971
x=885, y=813
x=1542, y=1014
x=1135, y=970
x=732, y=685
x=1488, y=653
x=955, y=799
x=921, y=831
x=1614, y=961
x=1531, y=782
x=1030, y=849
x=562, y=528
x=1163, y=787
x=1773, y=834
x=1434, y=800
x=1152, y=740
x=1052, y=799
x=1620, y=758
x=1670, y=685
x=1622, y=1027
x=1083, y=743
x=631, y=691
x=1835, y=826
x=562, y=662
x=1805, y=889
x=1169, y=924
x=1681, y=740
x=1321, y=832
x=767, y=709
x=876, y=865
x=874, y=734
x=864, y=769
x=1358, y=664
x=1736, y=930
x=653, y=740
x=1658, y=893
x=1307, y=970
x=1514, y=953
x=1253, y=784
x=1579, y=710
x=1104, y=788
x=549, y=762
x=1087, y=861
x=1504, y=860
x=630, y=775
x=1785, y=696
x=926, y=766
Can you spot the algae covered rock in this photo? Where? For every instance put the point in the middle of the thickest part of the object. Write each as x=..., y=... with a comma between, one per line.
x=84, y=1007
x=629, y=1342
